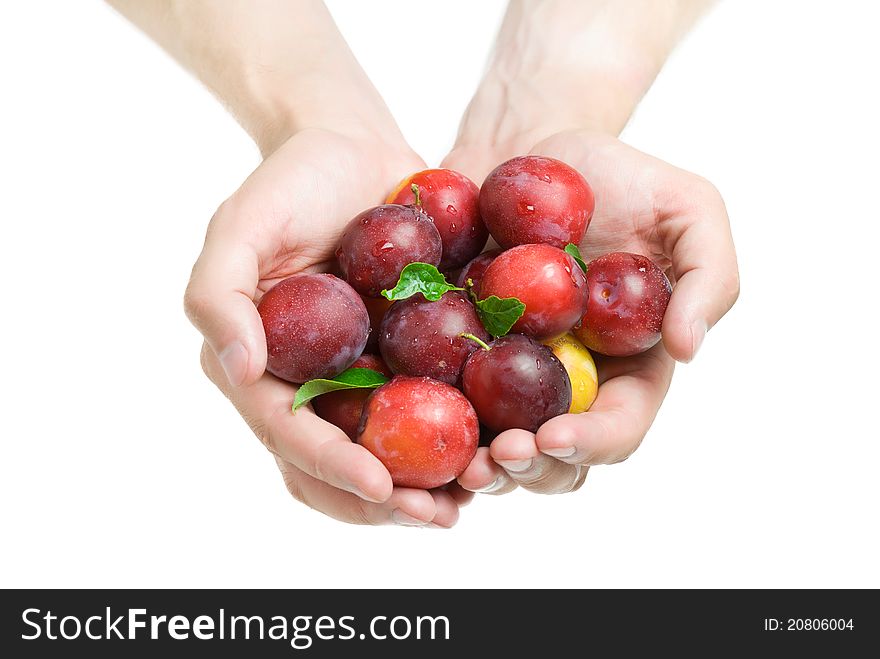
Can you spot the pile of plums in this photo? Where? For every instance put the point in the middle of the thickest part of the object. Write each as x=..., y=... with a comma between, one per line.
x=447, y=373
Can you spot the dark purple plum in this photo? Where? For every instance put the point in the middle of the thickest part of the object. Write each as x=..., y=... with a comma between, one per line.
x=380, y=242
x=451, y=200
x=422, y=338
x=343, y=408
x=517, y=383
x=475, y=270
x=315, y=325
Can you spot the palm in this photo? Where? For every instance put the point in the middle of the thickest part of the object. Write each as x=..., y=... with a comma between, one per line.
x=646, y=206
x=294, y=207
x=287, y=218
x=628, y=216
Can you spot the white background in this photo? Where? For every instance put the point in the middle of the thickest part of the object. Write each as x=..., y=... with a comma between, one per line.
x=121, y=465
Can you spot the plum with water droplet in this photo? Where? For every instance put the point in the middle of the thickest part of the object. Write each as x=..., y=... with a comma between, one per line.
x=628, y=295
x=533, y=199
x=380, y=242
x=475, y=269
x=315, y=326
x=419, y=337
x=547, y=280
x=343, y=408
x=451, y=200
x=424, y=431
x=516, y=383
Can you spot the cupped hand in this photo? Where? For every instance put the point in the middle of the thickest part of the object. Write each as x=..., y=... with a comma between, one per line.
x=287, y=218
x=649, y=207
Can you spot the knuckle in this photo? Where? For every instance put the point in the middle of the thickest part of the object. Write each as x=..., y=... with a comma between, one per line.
x=294, y=487
x=627, y=452
x=323, y=463
x=204, y=361
x=196, y=302
x=359, y=514
x=266, y=429
x=731, y=287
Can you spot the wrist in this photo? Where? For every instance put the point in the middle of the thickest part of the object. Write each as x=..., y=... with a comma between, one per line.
x=513, y=114
x=572, y=65
x=274, y=113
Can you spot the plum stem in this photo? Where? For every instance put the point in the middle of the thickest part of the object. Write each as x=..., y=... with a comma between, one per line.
x=477, y=340
x=417, y=193
x=469, y=287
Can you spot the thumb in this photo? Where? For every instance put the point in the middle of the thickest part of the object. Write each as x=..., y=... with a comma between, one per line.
x=219, y=301
x=705, y=269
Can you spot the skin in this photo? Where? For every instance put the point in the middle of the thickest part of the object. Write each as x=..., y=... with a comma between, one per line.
x=565, y=90
x=564, y=78
x=331, y=149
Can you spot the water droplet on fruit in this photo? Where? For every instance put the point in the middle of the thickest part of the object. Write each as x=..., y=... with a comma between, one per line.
x=522, y=207
x=382, y=247
x=581, y=386
x=538, y=364
x=453, y=228
x=546, y=178
x=451, y=210
x=541, y=381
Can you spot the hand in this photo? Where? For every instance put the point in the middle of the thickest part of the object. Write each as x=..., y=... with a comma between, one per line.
x=646, y=206
x=287, y=218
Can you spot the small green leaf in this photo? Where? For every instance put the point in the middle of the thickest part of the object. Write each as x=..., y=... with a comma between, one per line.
x=572, y=250
x=421, y=278
x=499, y=315
x=352, y=378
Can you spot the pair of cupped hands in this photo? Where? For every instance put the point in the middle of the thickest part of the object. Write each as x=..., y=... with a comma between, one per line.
x=287, y=218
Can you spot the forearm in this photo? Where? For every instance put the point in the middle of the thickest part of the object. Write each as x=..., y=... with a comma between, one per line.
x=573, y=64
x=279, y=65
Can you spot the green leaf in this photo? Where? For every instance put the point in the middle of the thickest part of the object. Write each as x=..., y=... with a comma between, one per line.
x=499, y=314
x=572, y=250
x=421, y=278
x=352, y=378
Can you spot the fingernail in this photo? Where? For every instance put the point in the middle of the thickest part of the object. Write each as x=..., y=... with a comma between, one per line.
x=515, y=465
x=565, y=452
x=402, y=519
x=431, y=525
x=234, y=360
x=494, y=485
x=360, y=493
x=698, y=333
